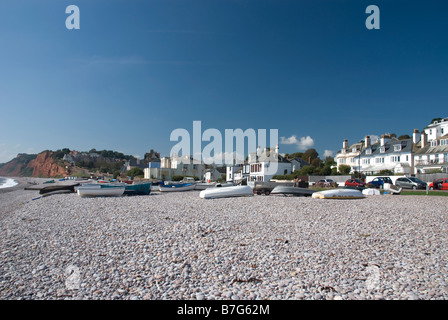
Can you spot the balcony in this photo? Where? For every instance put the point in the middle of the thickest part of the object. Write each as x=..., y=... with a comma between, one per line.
x=422, y=163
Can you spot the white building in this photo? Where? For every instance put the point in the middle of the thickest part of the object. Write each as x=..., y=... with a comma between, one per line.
x=436, y=129
x=175, y=166
x=388, y=153
x=262, y=166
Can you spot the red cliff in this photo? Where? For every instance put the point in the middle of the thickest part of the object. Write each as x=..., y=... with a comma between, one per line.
x=45, y=166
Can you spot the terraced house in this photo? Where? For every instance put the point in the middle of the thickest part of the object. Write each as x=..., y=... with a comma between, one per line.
x=425, y=152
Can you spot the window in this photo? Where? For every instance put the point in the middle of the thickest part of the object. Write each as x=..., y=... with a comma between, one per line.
x=395, y=158
x=434, y=143
x=369, y=151
x=397, y=147
x=382, y=149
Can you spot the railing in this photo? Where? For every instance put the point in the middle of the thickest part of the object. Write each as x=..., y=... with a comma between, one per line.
x=431, y=162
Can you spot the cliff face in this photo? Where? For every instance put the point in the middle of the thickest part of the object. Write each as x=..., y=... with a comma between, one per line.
x=17, y=167
x=44, y=166
x=26, y=165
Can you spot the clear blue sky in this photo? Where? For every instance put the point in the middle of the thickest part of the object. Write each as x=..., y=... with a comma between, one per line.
x=137, y=70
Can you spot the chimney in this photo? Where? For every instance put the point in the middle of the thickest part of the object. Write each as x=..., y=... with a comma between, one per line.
x=345, y=144
x=276, y=148
x=423, y=139
x=382, y=140
x=258, y=150
x=416, y=136
x=367, y=142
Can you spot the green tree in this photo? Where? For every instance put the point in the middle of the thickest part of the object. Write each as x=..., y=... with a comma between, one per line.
x=135, y=172
x=344, y=169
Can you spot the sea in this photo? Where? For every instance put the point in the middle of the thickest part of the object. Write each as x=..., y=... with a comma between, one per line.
x=7, y=182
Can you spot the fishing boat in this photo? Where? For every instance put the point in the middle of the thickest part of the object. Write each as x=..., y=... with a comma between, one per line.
x=143, y=188
x=338, y=194
x=100, y=190
x=232, y=191
x=177, y=187
x=293, y=191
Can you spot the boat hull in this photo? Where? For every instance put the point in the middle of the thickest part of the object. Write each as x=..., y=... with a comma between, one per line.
x=100, y=191
x=235, y=191
x=177, y=187
x=338, y=194
x=138, y=189
x=294, y=191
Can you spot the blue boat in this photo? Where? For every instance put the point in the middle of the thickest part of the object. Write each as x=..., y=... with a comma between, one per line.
x=177, y=187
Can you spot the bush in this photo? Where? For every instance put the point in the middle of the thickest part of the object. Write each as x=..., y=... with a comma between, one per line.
x=135, y=172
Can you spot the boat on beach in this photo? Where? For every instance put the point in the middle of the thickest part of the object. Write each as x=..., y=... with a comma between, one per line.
x=293, y=191
x=143, y=188
x=59, y=187
x=100, y=190
x=225, y=192
x=177, y=187
x=338, y=194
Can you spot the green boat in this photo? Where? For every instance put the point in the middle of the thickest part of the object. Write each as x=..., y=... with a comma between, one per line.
x=143, y=188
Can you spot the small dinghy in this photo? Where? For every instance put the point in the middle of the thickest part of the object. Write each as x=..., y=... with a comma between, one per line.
x=371, y=192
x=100, y=190
x=293, y=191
x=177, y=187
x=226, y=192
x=338, y=194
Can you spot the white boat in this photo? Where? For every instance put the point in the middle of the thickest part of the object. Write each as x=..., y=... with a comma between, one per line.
x=392, y=188
x=338, y=194
x=294, y=191
x=225, y=192
x=177, y=187
x=204, y=185
x=100, y=190
x=371, y=192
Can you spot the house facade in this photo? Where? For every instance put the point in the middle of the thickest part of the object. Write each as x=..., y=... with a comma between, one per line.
x=388, y=153
x=174, y=166
x=261, y=166
x=425, y=152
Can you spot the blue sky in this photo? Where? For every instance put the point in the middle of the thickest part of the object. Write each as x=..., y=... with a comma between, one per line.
x=137, y=70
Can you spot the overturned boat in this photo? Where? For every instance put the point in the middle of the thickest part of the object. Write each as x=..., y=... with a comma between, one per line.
x=338, y=194
x=177, y=187
x=100, y=190
x=226, y=192
x=293, y=191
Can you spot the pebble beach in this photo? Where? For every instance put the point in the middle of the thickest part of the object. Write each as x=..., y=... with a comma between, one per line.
x=176, y=246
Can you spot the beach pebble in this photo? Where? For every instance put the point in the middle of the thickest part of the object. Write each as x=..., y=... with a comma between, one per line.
x=178, y=246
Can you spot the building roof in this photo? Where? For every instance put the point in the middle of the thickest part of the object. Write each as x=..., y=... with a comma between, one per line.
x=429, y=149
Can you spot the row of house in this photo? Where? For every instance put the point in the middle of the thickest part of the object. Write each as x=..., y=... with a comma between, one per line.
x=425, y=152
x=258, y=167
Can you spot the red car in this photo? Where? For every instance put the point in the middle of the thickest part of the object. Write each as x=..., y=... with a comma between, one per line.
x=354, y=183
x=441, y=184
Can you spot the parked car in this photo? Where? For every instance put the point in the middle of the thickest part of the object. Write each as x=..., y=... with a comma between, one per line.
x=326, y=183
x=441, y=184
x=355, y=183
x=379, y=182
x=410, y=183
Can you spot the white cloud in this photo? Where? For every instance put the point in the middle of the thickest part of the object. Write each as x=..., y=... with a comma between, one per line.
x=302, y=144
x=328, y=153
